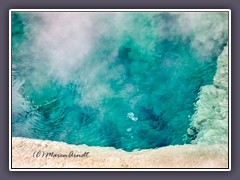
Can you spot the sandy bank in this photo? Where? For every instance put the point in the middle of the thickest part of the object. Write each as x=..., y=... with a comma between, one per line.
x=181, y=156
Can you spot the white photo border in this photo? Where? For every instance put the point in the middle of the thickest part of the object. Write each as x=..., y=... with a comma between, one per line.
x=120, y=169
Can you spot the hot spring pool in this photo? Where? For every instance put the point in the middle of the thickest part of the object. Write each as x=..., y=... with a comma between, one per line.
x=127, y=80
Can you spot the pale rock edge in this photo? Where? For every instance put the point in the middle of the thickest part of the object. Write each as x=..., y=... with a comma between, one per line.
x=209, y=123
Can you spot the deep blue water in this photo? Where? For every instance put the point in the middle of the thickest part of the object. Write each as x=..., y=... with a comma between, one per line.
x=135, y=88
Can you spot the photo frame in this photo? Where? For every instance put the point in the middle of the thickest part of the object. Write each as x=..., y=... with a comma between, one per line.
x=132, y=50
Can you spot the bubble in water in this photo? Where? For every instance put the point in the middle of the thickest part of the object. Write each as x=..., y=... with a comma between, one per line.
x=129, y=129
x=131, y=116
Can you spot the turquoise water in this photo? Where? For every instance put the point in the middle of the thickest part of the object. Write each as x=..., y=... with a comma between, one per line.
x=124, y=80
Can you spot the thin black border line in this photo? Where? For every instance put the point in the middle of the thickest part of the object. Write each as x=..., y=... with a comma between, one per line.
x=10, y=73
x=229, y=39
x=134, y=169
x=228, y=89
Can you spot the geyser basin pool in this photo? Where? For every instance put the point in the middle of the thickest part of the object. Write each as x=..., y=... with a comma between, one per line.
x=126, y=79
